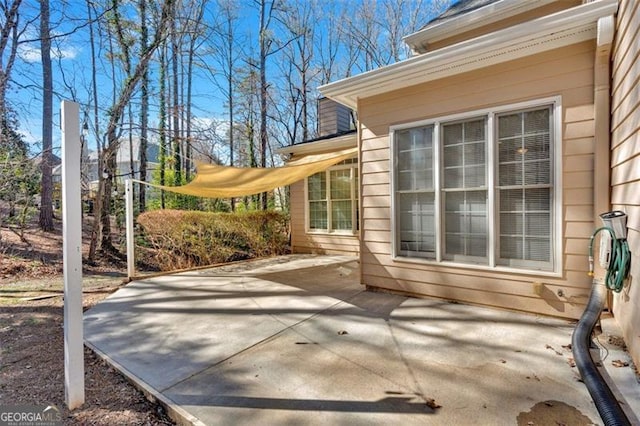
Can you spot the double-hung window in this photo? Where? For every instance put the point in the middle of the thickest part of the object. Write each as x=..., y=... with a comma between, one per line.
x=477, y=189
x=332, y=199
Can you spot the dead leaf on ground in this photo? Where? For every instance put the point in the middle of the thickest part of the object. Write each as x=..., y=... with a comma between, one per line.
x=554, y=350
x=619, y=363
x=343, y=332
x=431, y=403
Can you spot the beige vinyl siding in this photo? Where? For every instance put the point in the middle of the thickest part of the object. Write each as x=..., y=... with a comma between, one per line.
x=567, y=73
x=625, y=159
x=317, y=243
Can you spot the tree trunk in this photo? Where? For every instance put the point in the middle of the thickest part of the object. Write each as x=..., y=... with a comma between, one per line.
x=263, y=96
x=9, y=35
x=163, y=120
x=46, y=188
x=177, y=156
x=95, y=231
x=230, y=94
x=144, y=108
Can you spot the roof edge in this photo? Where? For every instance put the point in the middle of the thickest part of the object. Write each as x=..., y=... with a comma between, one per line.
x=560, y=29
x=482, y=16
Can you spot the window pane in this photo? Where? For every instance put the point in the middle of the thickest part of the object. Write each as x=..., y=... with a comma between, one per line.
x=341, y=215
x=340, y=184
x=464, y=154
x=318, y=215
x=536, y=121
x=525, y=224
x=466, y=226
x=416, y=224
x=524, y=148
x=414, y=155
x=317, y=186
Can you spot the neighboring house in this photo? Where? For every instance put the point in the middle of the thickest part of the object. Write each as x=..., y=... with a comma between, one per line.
x=127, y=150
x=485, y=158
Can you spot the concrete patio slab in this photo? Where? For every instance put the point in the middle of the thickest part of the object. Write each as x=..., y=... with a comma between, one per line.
x=296, y=340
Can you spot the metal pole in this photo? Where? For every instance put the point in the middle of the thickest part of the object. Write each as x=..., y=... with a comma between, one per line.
x=72, y=256
x=131, y=260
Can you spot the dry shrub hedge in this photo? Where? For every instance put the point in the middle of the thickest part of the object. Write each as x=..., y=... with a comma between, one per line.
x=186, y=239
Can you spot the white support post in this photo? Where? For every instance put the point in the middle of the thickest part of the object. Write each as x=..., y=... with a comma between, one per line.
x=131, y=260
x=72, y=255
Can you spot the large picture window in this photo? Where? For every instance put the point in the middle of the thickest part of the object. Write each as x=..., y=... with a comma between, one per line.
x=477, y=189
x=332, y=198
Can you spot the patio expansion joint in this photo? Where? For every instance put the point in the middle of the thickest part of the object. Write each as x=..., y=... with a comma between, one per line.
x=258, y=343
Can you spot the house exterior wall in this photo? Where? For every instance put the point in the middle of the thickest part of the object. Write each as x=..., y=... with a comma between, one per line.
x=566, y=72
x=625, y=159
x=506, y=23
x=317, y=243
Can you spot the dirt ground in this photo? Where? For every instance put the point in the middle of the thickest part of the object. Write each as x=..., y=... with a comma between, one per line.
x=31, y=334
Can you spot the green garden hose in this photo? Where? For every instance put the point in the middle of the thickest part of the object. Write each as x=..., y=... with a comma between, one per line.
x=619, y=261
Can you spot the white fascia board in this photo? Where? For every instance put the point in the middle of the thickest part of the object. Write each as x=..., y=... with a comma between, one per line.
x=333, y=144
x=480, y=17
x=560, y=29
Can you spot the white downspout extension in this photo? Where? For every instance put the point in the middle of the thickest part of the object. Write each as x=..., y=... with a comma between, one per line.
x=602, y=117
x=131, y=260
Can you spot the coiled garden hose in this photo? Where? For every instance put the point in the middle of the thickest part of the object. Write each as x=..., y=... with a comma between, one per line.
x=619, y=261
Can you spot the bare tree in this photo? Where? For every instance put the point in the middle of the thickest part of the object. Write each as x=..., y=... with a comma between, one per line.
x=162, y=125
x=268, y=47
x=103, y=208
x=144, y=105
x=9, y=39
x=297, y=69
x=195, y=31
x=327, y=44
x=46, y=187
x=175, y=110
x=265, y=46
x=226, y=50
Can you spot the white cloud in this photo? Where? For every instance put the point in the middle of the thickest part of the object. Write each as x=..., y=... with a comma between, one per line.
x=29, y=54
x=32, y=54
x=66, y=53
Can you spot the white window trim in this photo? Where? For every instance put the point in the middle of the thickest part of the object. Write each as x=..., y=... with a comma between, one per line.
x=354, y=202
x=557, y=234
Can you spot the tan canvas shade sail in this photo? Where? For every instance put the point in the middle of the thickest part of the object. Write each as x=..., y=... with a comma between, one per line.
x=214, y=181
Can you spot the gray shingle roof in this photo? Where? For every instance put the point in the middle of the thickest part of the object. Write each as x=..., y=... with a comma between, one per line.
x=459, y=8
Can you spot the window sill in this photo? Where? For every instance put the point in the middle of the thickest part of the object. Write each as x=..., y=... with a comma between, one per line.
x=485, y=268
x=333, y=233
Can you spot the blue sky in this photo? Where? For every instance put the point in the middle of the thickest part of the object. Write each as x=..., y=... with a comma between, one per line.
x=72, y=67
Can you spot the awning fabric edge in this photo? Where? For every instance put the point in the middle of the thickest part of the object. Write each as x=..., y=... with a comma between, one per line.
x=214, y=181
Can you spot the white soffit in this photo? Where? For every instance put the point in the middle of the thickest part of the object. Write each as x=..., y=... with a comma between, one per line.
x=330, y=144
x=550, y=32
x=468, y=21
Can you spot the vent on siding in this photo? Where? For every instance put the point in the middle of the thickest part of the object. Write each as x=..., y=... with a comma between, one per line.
x=333, y=117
